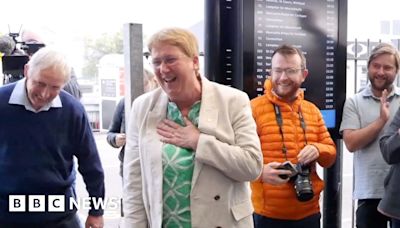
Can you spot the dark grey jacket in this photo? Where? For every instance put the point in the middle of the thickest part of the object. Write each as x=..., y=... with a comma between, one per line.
x=72, y=87
x=117, y=126
x=390, y=148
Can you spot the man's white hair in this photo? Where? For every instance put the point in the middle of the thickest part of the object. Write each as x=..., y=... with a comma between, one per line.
x=49, y=58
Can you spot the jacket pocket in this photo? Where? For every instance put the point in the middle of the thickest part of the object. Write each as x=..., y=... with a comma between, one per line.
x=242, y=210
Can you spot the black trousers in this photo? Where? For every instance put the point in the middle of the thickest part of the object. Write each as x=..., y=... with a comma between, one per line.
x=368, y=216
x=395, y=223
x=71, y=221
x=312, y=221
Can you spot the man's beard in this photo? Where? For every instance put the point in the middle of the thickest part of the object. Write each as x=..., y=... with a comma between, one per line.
x=386, y=85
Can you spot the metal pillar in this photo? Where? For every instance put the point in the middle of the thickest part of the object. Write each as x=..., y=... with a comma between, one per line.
x=133, y=55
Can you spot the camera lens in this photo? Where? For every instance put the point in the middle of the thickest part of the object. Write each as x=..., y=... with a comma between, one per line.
x=303, y=185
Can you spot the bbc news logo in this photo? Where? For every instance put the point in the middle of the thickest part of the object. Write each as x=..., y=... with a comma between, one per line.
x=56, y=203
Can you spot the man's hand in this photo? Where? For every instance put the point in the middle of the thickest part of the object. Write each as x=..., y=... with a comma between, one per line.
x=94, y=222
x=270, y=174
x=385, y=112
x=173, y=133
x=308, y=154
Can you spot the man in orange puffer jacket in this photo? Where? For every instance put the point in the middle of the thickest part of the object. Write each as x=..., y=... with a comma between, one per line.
x=290, y=129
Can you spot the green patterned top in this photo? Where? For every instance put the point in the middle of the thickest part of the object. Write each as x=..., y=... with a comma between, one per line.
x=177, y=174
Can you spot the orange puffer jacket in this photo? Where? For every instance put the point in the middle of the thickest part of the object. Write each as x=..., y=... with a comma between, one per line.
x=280, y=201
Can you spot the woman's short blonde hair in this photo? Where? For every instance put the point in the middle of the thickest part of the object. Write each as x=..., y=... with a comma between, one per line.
x=181, y=38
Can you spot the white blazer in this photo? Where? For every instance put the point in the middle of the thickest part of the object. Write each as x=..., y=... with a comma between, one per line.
x=227, y=157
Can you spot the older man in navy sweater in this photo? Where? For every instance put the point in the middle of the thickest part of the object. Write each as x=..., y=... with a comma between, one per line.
x=41, y=129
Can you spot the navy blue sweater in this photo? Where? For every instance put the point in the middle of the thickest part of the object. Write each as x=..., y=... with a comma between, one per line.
x=36, y=155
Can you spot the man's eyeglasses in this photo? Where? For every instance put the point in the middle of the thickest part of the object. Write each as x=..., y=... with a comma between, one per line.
x=168, y=60
x=288, y=71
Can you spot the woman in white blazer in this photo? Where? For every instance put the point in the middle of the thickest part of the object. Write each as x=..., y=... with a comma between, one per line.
x=192, y=146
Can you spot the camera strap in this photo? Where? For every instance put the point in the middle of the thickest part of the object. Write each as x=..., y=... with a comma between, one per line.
x=303, y=124
x=279, y=121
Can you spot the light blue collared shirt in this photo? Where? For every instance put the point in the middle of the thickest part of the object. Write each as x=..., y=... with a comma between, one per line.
x=19, y=97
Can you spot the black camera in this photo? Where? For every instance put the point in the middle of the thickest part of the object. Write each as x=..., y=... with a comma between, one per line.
x=31, y=48
x=13, y=67
x=301, y=179
x=303, y=184
x=16, y=56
